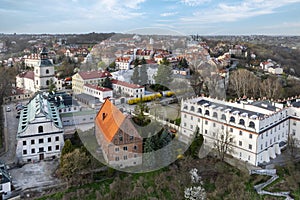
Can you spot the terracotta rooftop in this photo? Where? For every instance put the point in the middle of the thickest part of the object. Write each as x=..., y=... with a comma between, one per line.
x=109, y=119
x=94, y=74
x=126, y=84
x=96, y=87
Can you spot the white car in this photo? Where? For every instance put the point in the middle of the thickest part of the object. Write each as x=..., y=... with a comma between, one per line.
x=8, y=109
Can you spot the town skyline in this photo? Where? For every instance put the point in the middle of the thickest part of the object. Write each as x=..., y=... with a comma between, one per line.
x=175, y=17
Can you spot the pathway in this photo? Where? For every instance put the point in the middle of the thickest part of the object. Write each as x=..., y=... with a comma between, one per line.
x=259, y=188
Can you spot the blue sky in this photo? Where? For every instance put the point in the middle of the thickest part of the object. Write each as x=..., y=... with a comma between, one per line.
x=204, y=17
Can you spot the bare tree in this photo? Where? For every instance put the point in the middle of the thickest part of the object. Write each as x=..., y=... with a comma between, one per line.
x=223, y=144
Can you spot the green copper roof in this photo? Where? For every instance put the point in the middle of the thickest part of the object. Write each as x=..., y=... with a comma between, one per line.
x=38, y=107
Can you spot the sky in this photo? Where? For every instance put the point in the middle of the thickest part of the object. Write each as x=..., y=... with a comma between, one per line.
x=179, y=17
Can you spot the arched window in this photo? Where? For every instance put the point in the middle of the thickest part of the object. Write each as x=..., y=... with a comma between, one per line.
x=242, y=122
x=47, y=71
x=47, y=82
x=251, y=124
x=185, y=107
x=192, y=108
x=207, y=112
x=232, y=119
x=215, y=115
x=199, y=110
x=223, y=117
x=40, y=129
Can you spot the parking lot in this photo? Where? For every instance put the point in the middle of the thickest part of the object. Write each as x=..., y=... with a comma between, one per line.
x=10, y=132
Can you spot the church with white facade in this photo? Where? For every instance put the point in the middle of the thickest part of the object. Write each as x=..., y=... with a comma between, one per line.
x=42, y=75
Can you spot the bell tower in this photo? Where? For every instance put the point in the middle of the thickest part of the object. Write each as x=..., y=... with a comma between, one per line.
x=43, y=72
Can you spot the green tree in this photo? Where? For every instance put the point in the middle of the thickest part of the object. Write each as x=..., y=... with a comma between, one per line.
x=107, y=83
x=52, y=86
x=136, y=62
x=183, y=63
x=164, y=75
x=143, y=61
x=112, y=65
x=143, y=75
x=196, y=144
x=135, y=78
x=68, y=147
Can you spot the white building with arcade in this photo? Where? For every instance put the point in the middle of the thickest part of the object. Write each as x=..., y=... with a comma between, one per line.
x=258, y=129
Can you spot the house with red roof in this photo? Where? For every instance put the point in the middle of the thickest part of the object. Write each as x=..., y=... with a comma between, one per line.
x=123, y=63
x=130, y=89
x=96, y=91
x=119, y=140
x=88, y=77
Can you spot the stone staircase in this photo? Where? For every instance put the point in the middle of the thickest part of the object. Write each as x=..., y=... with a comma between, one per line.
x=274, y=176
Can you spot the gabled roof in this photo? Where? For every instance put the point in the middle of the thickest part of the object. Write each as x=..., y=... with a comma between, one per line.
x=109, y=119
x=93, y=74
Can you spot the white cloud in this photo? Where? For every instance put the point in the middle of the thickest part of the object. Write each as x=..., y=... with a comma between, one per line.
x=168, y=14
x=232, y=12
x=194, y=2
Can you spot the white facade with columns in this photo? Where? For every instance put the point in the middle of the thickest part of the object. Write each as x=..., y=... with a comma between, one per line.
x=259, y=129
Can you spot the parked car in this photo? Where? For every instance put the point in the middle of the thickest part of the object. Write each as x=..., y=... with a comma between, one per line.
x=8, y=109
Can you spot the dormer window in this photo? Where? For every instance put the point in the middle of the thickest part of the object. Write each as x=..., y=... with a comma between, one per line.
x=104, y=115
x=232, y=119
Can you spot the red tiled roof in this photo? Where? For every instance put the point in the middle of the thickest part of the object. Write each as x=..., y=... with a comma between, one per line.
x=94, y=74
x=27, y=74
x=96, y=87
x=126, y=84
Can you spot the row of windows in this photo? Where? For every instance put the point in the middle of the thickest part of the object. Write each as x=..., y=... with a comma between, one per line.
x=41, y=140
x=232, y=120
x=125, y=148
x=41, y=149
x=117, y=158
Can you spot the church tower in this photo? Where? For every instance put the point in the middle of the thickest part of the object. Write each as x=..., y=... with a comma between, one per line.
x=43, y=72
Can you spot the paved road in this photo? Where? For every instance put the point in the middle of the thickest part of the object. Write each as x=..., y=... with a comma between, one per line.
x=10, y=132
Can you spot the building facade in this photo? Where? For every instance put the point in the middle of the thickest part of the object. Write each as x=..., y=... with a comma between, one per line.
x=129, y=89
x=98, y=92
x=258, y=130
x=120, y=142
x=40, y=131
x=42, y=75
x=89, y=77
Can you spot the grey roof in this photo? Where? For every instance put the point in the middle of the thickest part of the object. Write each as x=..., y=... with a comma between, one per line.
x=46, y=63
x=232, y=109
x=296, y=104
x=264, y=104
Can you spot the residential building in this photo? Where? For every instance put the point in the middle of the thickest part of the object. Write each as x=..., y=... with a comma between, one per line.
x=259, y=129
x=275, y=70
x=120, y=142
x=123, y=63
x=129, y=89
x=294, y=113
x=40, y=131
x=96, y=91
x=5, y=179
x=89, y=77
